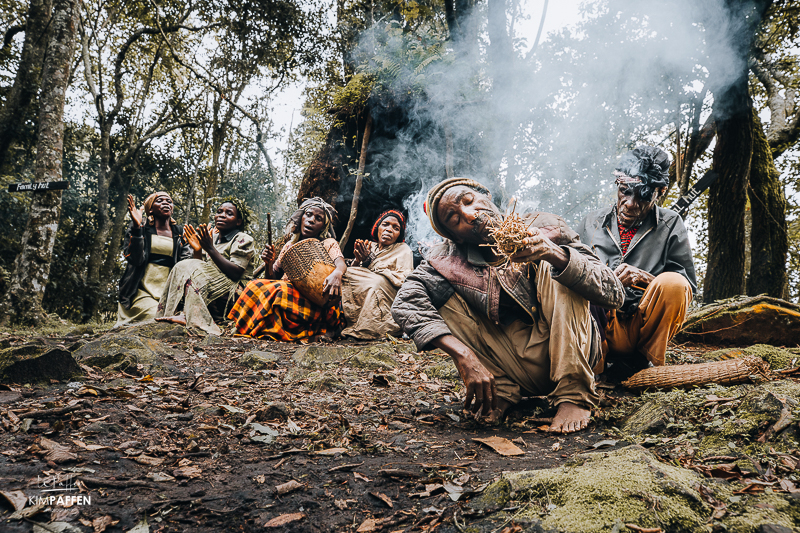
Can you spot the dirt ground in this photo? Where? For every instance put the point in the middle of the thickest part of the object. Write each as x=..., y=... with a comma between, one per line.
x=218, y=446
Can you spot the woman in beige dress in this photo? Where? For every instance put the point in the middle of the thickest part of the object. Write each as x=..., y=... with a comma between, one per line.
x=370, y=284
x=153, y=245
x=204, y=288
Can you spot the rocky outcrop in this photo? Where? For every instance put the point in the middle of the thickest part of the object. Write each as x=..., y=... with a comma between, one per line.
x=34, y=363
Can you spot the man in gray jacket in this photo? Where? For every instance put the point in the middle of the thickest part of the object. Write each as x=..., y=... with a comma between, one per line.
x=648, y=248
x=509, y=328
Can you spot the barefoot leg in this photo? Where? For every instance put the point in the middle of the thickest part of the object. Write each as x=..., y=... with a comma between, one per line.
x=570, y=418
x=177, y=319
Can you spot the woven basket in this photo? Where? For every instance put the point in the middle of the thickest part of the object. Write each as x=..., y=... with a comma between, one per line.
x=307, y=264
x=726, y=372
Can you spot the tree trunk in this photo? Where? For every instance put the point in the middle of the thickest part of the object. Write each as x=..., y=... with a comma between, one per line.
x=362, y=161
x=727, y=199
x=117, y=226
x=769, y=238
x=103, y=221
x=725, y=276
x=32, y=267
x=28, y=77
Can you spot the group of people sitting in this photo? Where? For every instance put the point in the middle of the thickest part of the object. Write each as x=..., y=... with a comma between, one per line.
x=200, y=277
x=548, y=320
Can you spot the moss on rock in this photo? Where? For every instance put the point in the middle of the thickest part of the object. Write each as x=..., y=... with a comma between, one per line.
x=597, y=492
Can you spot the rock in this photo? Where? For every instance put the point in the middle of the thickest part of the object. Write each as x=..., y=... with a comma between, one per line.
x=257, y=359
x=324, y=381
x=369, y=357
x=593, y=492
x=36, y=363
x=76, y=345
x=131, y=354
x=649, y=418
x=155, y=330
x=318, y=356
x=443, y=370
x=744, y=321
x=773, y=528
x=374, y=357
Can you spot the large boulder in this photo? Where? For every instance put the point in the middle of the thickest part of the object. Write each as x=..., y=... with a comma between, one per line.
x=129, y=353
x=744, y=321
x=601, y=492
x=35, y=363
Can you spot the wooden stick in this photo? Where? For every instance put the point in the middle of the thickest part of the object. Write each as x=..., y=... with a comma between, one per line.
x=638, y=287
x=265, y=266
x=362, y=161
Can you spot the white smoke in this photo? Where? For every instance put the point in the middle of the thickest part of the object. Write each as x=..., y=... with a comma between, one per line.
x=548, y=127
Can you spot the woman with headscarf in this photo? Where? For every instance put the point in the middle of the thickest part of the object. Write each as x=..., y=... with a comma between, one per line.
x=371, y=283
x=152, y=247
x=202, y=289
x=276, y=309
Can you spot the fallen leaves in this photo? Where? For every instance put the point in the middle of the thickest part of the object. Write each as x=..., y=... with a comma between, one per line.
x=387, y=501
x=56, y=452
x=148, y=460
x=289, y=486
x=330, y=451
x=501, y=445
x=99, y=524
x=16, y=498
x=284, y=519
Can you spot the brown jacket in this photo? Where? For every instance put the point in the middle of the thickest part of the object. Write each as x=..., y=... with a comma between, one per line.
x=451, y=268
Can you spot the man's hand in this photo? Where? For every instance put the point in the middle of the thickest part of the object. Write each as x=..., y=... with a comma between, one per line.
x=538, y=247
x=630, y=276
x=481, y=391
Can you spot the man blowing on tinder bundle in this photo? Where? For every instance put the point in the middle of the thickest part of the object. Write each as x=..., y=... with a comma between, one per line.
x=509, y=330
x=648, y=248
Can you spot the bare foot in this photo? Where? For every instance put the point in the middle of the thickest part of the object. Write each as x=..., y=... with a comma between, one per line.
x=496, y=416
x=177, y=319
x=570, y=418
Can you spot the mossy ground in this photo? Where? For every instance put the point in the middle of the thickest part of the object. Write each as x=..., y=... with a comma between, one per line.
x=598, y=492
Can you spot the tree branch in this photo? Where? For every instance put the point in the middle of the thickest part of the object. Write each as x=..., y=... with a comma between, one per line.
x=11, y=32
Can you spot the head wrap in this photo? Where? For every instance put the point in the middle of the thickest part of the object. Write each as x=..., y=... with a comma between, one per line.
x=148, y=205
x=390, y=213
x=645, y=168
x=431, y=205
x=293, y=226
x=241, y=207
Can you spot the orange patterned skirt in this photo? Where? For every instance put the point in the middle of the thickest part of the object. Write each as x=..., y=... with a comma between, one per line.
x=274, y=309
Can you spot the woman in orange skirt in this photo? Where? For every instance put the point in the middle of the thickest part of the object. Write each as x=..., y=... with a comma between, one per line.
x=274, y=308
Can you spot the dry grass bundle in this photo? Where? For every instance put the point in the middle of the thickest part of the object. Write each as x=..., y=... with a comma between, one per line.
x=510, y=233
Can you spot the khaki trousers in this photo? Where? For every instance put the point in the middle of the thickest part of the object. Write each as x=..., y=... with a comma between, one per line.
x=660, y=315
x=547, y=358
